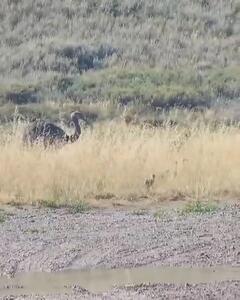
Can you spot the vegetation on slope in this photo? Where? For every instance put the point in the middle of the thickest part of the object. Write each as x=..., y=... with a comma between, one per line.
x=151, y=53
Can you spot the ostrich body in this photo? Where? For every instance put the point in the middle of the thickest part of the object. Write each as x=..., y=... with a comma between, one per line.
x=50, y=134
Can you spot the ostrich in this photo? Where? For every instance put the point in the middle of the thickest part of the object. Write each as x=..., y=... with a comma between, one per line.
x=50, y=134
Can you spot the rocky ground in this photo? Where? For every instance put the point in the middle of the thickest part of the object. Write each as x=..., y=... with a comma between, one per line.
x=34, y=239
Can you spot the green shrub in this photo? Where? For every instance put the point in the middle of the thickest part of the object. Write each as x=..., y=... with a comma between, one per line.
x=199, y=207
x=79, y=207
x=2, y=217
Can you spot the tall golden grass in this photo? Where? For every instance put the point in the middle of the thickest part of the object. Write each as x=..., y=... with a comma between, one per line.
x=115, y=158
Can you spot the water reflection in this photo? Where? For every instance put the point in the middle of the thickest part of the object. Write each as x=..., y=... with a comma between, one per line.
x=103, y=280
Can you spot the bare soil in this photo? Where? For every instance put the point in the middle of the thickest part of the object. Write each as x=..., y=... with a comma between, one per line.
x=34, y=239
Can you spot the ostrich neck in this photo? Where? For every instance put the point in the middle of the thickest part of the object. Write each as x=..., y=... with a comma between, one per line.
x=77, y=129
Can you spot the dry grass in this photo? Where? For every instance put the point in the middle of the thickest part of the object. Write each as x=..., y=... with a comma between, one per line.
x=114, y=158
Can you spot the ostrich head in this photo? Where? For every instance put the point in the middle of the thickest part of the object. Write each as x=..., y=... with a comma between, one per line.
x=76, y=115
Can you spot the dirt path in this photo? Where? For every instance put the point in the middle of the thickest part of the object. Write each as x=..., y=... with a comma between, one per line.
x=34, y=239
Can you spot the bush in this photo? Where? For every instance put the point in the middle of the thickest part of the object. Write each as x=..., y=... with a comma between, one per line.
x=84, y=58
x=157, y=88
x=198, y=207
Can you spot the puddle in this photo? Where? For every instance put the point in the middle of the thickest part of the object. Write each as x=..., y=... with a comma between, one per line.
x=97, y=281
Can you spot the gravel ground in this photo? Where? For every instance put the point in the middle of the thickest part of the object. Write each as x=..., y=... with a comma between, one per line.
x=222, y=290
x=34, y=239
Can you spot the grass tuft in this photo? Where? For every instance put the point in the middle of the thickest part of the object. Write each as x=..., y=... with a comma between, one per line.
x=2, y=217
x=49, y=204
x=139, y=212
x=199, y=207
x=161, y=214
x=79, y=207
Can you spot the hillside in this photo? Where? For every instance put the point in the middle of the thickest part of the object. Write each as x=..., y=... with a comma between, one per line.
x=156, y=54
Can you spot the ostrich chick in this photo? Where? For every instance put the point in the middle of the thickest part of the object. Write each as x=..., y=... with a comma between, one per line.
x=149, y=182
